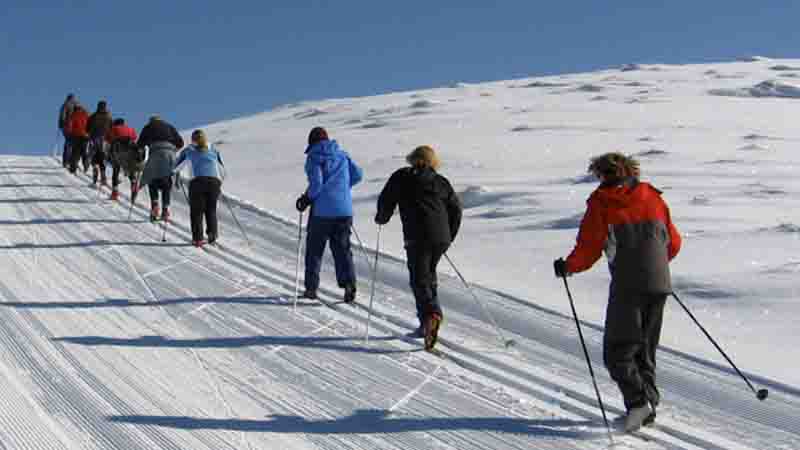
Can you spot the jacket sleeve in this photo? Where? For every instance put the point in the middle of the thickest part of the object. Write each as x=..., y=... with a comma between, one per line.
x=387, y=200
x=591, y=239
x=454, y=211
x=180, y=161
x=675, y=240
x=314, y=174
x=356, y=174
x=176, y=140
x=144, y=137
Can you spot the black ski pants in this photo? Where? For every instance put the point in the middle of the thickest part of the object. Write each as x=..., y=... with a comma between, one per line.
x=632, y=333
x=335, y=230
x=66, y=158
x=98, y=155
x=422, y=259
x=204, y=193
x=163, y=185
x=78, y=152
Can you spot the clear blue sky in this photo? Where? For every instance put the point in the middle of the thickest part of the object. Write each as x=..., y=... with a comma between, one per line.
x=195, y=62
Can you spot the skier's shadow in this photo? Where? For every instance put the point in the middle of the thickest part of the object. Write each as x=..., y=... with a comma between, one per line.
x=369, y=421
x=89, y=244
x=349, y=344
x=129, y=303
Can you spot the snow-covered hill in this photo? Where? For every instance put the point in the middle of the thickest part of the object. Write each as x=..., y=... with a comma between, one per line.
x=721, y=140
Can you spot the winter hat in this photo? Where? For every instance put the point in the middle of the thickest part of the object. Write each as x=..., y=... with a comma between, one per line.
x=102, y=105
x=614, y=166
x=118, y=121
x=317, y=134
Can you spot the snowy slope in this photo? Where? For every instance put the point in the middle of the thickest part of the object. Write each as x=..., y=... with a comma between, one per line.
x=112, y=339
x=720, y=140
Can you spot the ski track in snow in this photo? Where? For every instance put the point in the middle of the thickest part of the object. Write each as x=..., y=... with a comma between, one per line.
x=201, y=349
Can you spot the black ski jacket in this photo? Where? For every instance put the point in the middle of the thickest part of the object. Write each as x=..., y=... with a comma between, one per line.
x=429, y=208
x=160, y=131
x=99, y=123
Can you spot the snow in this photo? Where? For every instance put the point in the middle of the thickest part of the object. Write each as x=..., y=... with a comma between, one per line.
x=111, y=339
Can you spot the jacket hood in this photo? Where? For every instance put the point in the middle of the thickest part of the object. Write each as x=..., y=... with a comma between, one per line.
x=323, y=148
x=623, y=194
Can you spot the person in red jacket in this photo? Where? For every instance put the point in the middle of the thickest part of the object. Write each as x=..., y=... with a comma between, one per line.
x=629, y=221
x=79, y=138
x=124, y=155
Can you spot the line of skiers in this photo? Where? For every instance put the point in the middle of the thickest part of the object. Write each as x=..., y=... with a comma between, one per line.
x=150, y=160
x=625, y=218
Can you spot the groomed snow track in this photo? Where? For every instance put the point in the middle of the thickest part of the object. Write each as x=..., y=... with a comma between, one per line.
x=112, y=339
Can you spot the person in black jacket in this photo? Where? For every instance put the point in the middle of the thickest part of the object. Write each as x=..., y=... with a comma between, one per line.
x=431, y=216
x=98, y=126
x=163, y=142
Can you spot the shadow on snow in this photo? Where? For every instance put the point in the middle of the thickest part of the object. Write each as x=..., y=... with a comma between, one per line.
x=128, y=303
x=372, y=422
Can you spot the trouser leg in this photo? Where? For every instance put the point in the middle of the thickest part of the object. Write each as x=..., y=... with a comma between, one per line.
x=342, y=251
x=316, y=238
x=212, y=198
x=652, y=319
x=633, y=324
x=196, y=208
x=422, y=261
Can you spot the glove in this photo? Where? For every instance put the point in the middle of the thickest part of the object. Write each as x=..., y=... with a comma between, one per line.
x=381, y=220
x=560, y=268
x=302, y=203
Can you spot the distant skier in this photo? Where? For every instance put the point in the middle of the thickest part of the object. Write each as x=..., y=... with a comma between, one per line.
x=331, y=174
x=206, y=173
x=630, y=221
x=124, y=155
x=78, y=138
x=163, y=142
x=97, y=127
x=63, y=120
x=431, y=216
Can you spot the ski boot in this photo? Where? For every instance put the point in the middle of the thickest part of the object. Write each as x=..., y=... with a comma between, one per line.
x=432, y=323
x=212, y=238
x=114, y=195
x=165, y=215
x=350, y=293
x=199, y=244
x=154, y=212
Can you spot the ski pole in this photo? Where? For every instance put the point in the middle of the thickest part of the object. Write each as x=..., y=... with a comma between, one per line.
x=761, y=394
x=588, y=361
x=506, y=342
x=372, y=284
x=249, y=244
x=297, y=265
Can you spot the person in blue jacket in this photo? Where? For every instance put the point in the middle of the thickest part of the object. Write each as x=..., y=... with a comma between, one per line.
x=331, y=174
x=205, y=172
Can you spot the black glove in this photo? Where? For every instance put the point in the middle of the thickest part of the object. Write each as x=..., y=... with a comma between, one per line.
x=380, y=220
x=560, y=267
x=302, y=203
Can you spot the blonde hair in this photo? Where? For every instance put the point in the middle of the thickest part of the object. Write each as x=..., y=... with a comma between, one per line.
x=199, y=138
x=424, y=156
x=614, y=166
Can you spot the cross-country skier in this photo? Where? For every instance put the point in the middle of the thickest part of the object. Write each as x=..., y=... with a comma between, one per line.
x=431, y=216
x=205, y=173
x=163, y=142
x=124, y=155
x=78, y=137
x=331, y=175
x=63, y=120
x=630, y=221
x=98, y=126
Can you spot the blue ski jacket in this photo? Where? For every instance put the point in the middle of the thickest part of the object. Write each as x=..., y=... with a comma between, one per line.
x=331, y=174
x=201, y=162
